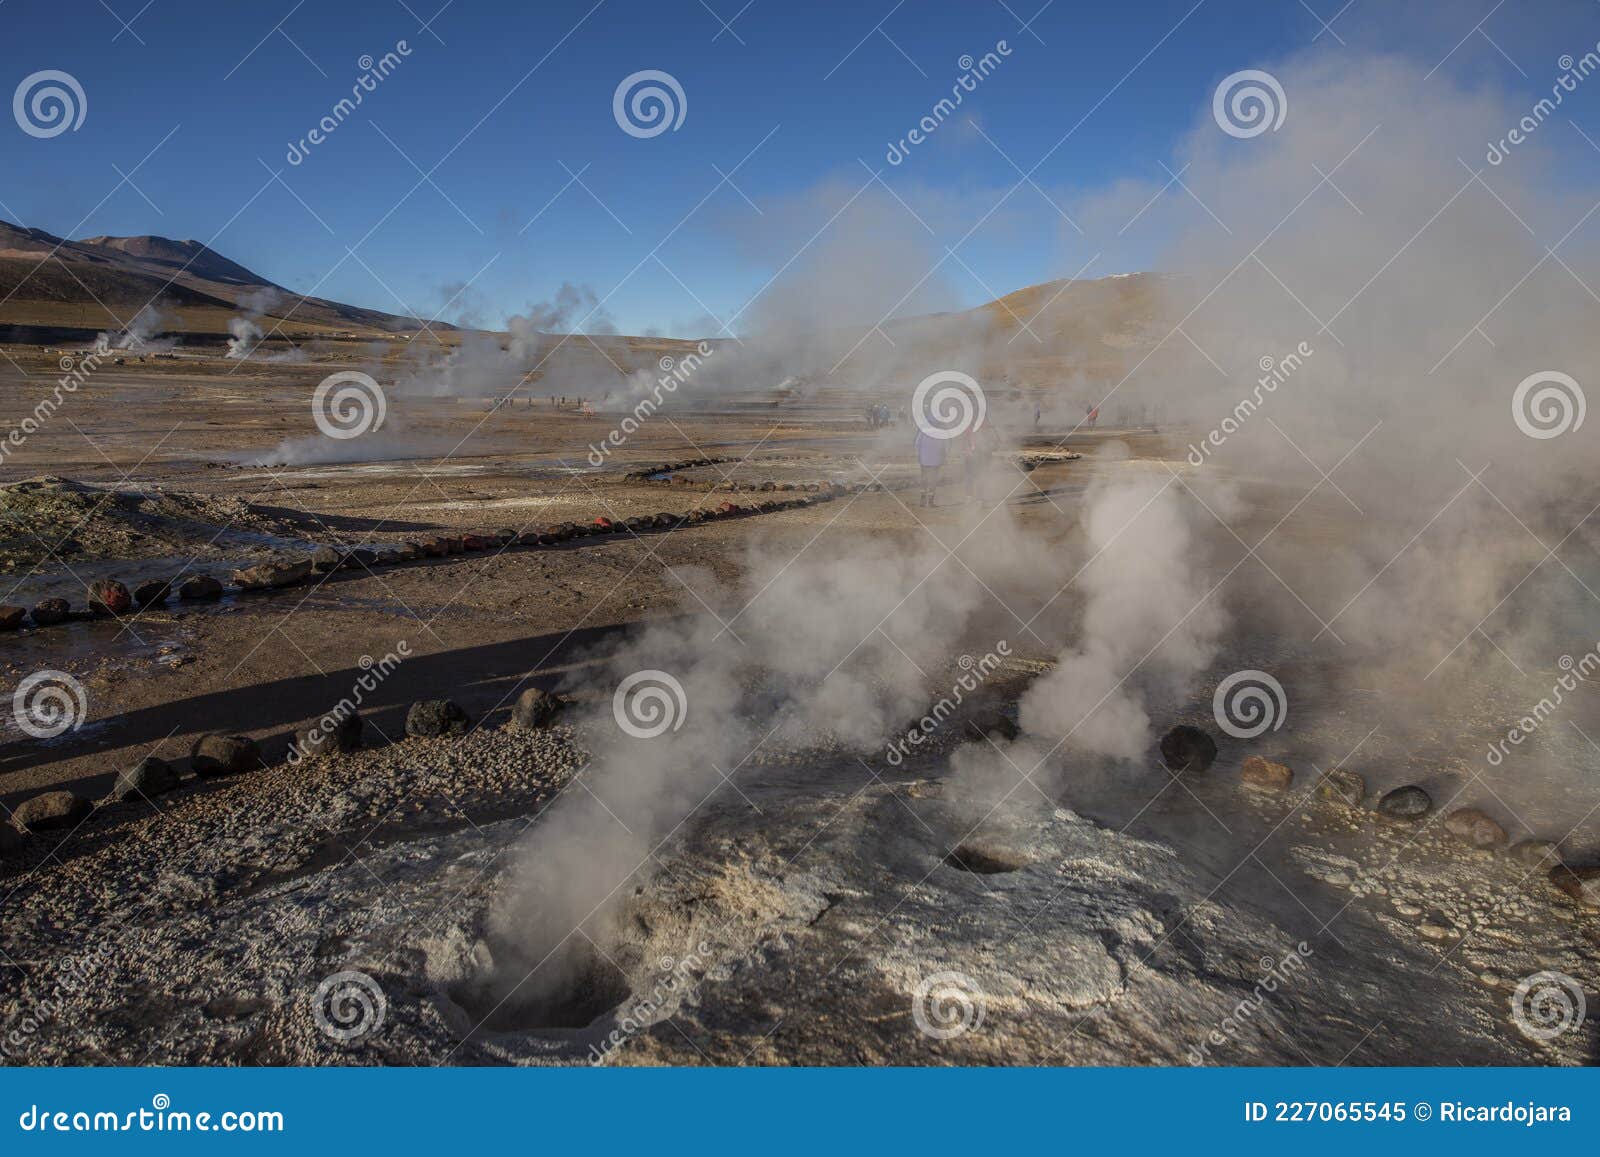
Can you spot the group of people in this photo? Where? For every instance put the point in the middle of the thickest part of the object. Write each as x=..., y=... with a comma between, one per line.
x=880, y=416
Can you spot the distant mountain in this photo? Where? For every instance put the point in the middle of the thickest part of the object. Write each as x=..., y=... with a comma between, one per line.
x=48, y=282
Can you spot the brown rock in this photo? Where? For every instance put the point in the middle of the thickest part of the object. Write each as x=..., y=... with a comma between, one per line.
x=1344, y=786
x=1534, y=853
x=1582, y=884
x=434, y=547
x=270, y=575
x=216, y=755
x=201, y=586
x=1186, y=748
x=454, y=544
x=11, y=617
x=51, y=811
x=153, y=592
x=604, y=525
x=1409, y=803
x=109, y=597
x=535, y=709
x=48, y=612
x=1472, y=826
x=1265, y=774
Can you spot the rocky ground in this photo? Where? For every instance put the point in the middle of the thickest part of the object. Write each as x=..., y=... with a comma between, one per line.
x=868, y=912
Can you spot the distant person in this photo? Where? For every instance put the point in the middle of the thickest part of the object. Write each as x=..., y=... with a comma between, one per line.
x=930, y=457
x=1091, y=416
x=972, y=446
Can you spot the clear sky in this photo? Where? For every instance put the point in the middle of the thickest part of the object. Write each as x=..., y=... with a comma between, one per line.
x=491, y=154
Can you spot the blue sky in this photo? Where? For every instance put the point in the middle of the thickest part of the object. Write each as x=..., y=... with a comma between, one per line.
x=533, y=183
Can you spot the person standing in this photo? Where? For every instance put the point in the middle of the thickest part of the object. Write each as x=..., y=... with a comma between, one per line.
x=930, y=457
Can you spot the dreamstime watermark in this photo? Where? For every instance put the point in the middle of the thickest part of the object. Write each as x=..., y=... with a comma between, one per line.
x=1577, y=671
x=373, y=675
x=1573, y=72
x=1274, y=972
x=160, y=1117
x=946, y=1005
x=947, y=404
x=1274, y=372
x=1548, y=1004
x=974, y=673
x=674, y=372
x=1249, y=703
x=973, y=73
x=640, y=1013
x=648, y=103
x=349, y=1007
x=649, y=703
x=74, y=373
x=1548, y=404
x=373, y=73
x=48, y=103
x=49, y=703
x=1249, y=103
x=348, y=404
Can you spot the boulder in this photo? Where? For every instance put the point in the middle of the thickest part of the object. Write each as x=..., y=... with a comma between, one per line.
x=325, y=559
x=535, y=709
x=334, y=732
x=434, y=547
x=360, y=557
x=51, y=811
x=1409, y=804
x=728, y=508
x=665, y=521
x=453, y=544
x=1582, y=884
x=270, y=575
x=1534, y=853
x=1186, y=748
x=152, y=593
x=409, y=552
x=478, y=542
x=149, y=777
x=109, y=597
x=218, y=754
x=1265, y=774
x=505, y=536
x=640, y=522
x=1471, y=826
x=604, y=525
x=11, y=617
x=201, y=586
x=48, y=612
x=1343, y=786
x=434, y=717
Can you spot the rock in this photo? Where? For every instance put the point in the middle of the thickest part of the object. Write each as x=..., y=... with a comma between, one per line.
x=153, y=592
x=1409, y=803
x=325, y=559
x=1346, y=787
x=149, y=777
x=270, y=575
x=535, y=709
x=1473, y=827
x=1186, y=748
x=728, y=508
x=410, y=552
x=665, y=521
x=640, y=522
x=434, y=547
x=1533, y=853
x=453, y=544
x=360, y=556
x=1265, y=774
x=334, y=732
x=1582, y=884
x=478, y=542
x=201, y=586
x=433, y=717
x=51, y=811
x=109, y=597
x=505, y=536
x=604, y=525
x=48, y=612
x=11, y=617
x=217, y=754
